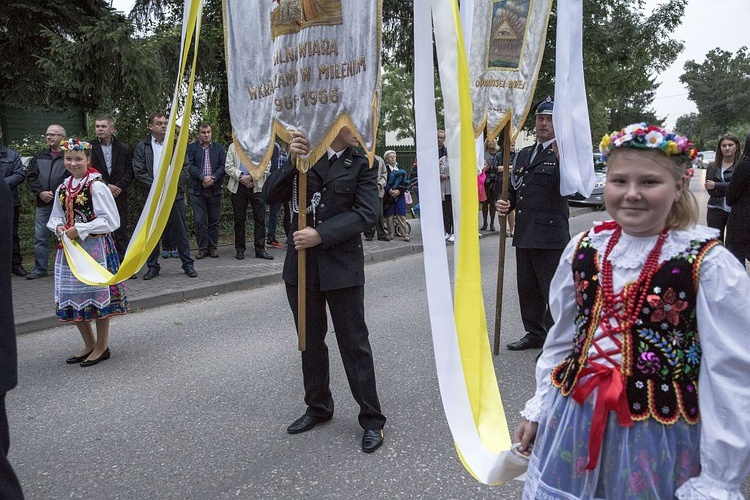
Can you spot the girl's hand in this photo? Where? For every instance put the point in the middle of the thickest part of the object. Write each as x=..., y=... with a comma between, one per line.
x=710, y=184
x=59, y=230
x=72, y=233
x=526, y=435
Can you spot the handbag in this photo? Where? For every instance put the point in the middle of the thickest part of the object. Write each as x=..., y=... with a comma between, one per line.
x=407, y=197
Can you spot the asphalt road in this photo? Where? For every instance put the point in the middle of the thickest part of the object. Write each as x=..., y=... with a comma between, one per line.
x=195, y=400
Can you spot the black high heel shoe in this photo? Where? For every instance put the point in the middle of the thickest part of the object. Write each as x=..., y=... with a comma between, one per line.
x=77, y=359
x=92, y=362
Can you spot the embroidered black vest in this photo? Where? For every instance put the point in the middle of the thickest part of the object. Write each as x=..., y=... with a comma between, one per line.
x=82, y=205
x=661, y=354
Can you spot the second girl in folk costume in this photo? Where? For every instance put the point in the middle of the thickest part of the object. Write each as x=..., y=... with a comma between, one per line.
x=84, y=209
x=643, y=387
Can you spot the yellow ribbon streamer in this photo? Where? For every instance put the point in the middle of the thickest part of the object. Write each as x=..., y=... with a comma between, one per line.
x=161, y=197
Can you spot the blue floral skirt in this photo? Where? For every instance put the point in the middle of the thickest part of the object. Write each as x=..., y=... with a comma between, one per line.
x=646, y=461
x=76, y=301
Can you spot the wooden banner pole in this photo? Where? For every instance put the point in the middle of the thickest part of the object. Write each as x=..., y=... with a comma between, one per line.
x=302, y=264
x=501, y=256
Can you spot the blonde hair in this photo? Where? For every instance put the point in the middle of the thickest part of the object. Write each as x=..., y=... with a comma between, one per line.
x=683, y=214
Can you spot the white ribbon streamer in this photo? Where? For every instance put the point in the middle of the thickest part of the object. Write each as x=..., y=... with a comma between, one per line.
x=571, y=114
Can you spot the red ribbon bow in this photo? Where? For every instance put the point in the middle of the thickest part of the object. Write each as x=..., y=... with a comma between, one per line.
x=611, y=397
x=605, y=225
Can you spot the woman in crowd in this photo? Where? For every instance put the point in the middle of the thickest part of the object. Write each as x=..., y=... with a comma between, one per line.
x=494, y=158
x=738, y=198
x=718, y=176
x=394, y=202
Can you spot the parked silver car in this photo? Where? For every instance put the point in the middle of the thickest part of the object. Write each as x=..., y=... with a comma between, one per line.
x=597, y=195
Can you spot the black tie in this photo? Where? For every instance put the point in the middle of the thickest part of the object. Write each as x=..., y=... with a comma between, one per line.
x=538, y=151
x=332, y=159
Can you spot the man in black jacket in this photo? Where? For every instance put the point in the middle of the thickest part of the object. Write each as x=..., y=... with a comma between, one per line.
x=542, y=230
x=146, y=161
x=346, y=194
x=206, y=160
x=10, y=489
x=113, y=160
x=46, y=172
x=11, y=168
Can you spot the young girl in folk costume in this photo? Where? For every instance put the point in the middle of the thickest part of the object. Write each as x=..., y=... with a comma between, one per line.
x=643, y=387
x=84, y=209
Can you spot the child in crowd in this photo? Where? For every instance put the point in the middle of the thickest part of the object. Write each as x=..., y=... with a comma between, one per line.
x=84, y=209
x=643, y=387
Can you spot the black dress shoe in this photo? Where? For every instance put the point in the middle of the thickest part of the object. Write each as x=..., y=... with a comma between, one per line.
x=240, y=255
x=92, y=362
x=191, y=272
x=150, y=274
x=372, y=440
x=305, y=423
x=526, y=343
x=77, y=359
x=262, y=254
x=20, y=271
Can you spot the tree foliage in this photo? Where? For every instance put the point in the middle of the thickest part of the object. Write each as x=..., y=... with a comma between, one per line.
x=720, y=88
x=23, y=24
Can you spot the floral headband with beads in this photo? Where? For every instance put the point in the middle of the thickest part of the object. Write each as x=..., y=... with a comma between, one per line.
x=74, y=144
x=644, y=136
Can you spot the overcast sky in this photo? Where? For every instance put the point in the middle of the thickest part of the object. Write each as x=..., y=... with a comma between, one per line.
x=707, y=24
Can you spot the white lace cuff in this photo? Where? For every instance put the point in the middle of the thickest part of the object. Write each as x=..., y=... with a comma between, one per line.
x=533, y=409
x=705, y=487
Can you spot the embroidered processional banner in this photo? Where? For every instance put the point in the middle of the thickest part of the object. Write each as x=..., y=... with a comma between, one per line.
x=507, y=43
x=311, y=65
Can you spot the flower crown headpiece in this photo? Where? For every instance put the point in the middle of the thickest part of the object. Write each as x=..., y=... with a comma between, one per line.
x=74, y=144
x=644, y=136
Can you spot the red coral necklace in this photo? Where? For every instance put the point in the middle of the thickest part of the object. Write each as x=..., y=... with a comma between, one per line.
x=623, y=307
x=71, y=192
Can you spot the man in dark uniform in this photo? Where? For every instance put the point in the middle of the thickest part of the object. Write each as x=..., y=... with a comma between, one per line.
x=542, y=229
x=10, y=489
x=113, y=160
x=343, y=196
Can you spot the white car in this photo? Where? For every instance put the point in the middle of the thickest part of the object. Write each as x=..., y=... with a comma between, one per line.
x=705, y=159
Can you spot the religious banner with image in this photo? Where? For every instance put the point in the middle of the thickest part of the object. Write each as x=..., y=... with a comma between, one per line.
x=507, y=43
x=310, y=65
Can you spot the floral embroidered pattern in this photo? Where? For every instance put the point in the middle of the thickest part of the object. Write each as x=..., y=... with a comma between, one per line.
x=580, y=287
x=648, y=363
x=661, y=354
x=667, y=306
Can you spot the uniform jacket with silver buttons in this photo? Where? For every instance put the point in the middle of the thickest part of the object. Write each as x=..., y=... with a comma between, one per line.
x=348, y=205
x=541, y=211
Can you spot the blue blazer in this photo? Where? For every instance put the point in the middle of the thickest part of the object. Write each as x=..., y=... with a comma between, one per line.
x=194, y=157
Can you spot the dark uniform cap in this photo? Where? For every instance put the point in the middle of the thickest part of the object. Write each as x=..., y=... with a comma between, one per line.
x=545, y=107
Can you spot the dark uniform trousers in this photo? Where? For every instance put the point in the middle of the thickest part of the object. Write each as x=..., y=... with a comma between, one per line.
x=541, y=234
x=334, y=278
x=352, y=336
